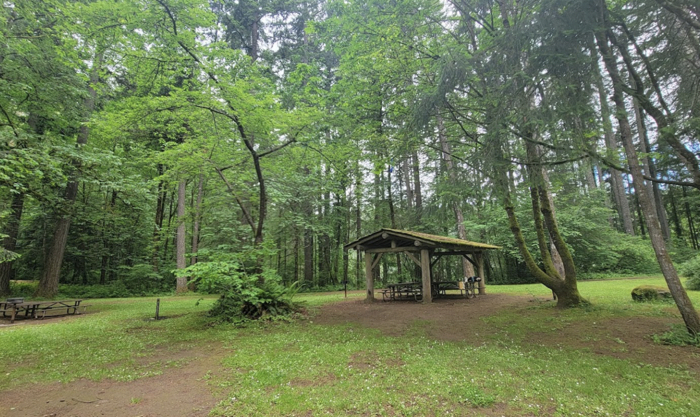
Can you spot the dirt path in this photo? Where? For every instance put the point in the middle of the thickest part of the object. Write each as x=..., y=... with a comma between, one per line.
x=450, y=319
x=178, y=392
x=461, y=320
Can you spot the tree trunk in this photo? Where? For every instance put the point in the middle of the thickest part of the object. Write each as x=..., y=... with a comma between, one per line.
x=308, y=210
x=378, y=221
x=197, y=219
x=663, y=117
x=295, y=276
x=691, y=223
x=418, y=195
x=392, y=215
x=406, y=170
x=617, y=185
x=685, y=306
x=106, y=252
x=649, y=169
x=674, y=212
x=10, y=241
x=48, y=284
x=180, y=249
x=467, y=267
x=254, y=37
x=160, y=214
x=358, y=220
x=557, y=260
x=565, y=290
x=308, y=256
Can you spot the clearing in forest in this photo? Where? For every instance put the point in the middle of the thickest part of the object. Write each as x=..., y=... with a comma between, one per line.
x=505, y=353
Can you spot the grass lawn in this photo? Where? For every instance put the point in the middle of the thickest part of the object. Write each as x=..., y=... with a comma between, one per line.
x=303, y=368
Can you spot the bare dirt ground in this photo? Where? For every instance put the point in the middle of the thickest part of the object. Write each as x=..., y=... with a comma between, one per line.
x=461, y=320
x=179, y=391
x=184, y=391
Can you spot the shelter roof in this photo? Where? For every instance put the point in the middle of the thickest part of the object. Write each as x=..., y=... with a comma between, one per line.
x=391, y=238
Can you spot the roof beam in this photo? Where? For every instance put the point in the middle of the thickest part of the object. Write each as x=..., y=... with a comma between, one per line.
x=393, y=250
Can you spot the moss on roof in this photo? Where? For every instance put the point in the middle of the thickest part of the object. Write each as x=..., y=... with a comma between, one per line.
x=442, y=239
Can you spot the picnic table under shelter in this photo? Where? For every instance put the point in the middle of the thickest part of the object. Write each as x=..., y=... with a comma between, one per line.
x=423, y=249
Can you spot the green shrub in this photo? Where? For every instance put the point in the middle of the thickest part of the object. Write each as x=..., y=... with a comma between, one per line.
x=114, y=289
x=244, y=296
x=23, y=288
x=677, y=336
x=253, y=301
x=691, y=270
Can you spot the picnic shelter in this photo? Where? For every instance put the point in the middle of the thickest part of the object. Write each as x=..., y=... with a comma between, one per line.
x=424, y=249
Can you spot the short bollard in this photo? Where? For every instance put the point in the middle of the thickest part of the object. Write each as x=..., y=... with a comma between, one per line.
x=158, y=309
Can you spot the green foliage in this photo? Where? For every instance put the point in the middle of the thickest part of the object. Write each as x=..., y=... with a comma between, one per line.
x=583, y=221
x=23, y=289
x=248, y=299
x=7, y=256
x=244, y=295
x=115, y=289
x=141, y=278
x=691, y=270
x=678, y=336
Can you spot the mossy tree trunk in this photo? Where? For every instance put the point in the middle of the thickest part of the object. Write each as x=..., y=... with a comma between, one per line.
x=565, y=288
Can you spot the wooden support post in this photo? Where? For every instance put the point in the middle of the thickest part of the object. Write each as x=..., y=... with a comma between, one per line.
x=480, y=271
x=377, y=258
x=369, y=277
x=413, y=258
x=425, y=275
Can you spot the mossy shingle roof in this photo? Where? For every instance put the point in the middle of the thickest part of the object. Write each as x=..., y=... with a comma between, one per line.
x=376, y=240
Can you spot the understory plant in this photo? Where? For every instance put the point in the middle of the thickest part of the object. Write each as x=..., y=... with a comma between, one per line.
x=245, y=295
x=691, y=270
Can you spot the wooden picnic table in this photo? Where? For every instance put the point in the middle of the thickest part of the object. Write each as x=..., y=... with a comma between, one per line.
x=402, y=290
x=35, y=309
x=407, y=290
x=440, y=288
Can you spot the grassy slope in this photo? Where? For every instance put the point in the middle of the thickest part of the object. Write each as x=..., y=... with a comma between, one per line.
x=297, y=368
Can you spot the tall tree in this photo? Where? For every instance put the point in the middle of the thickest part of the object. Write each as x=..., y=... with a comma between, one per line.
x=603, y=35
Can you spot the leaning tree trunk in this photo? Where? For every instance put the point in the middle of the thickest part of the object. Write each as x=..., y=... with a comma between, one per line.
x=565, y=288
x=649, y=169
x=535, y=152
x=685, y=306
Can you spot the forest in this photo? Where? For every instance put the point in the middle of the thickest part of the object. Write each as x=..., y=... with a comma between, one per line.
x=143, y=142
